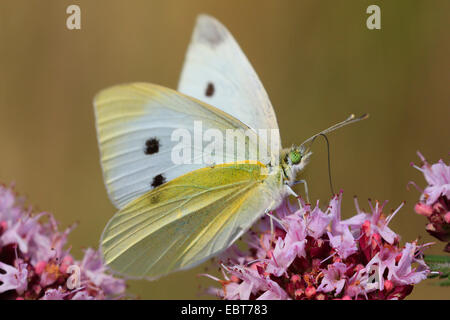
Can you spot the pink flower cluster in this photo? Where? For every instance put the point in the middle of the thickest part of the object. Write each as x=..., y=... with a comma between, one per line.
x=35, y=265
x=312, y=254
x=435, y=199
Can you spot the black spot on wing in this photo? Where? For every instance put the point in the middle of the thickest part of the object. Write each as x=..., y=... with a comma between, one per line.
x=151, y=146
x=158, y=180
x=209, y=89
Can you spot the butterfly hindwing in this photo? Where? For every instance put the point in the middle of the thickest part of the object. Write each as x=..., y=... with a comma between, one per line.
x=187, y=220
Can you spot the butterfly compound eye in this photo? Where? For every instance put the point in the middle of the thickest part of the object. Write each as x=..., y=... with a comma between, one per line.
x=295, y=156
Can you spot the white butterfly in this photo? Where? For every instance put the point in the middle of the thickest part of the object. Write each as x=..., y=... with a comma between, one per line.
x=173, y=216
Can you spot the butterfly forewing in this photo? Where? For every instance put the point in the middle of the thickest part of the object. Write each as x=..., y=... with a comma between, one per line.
x=217, y=71
x=135, y=124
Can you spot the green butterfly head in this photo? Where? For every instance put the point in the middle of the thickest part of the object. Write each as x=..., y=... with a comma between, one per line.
x=299, y=156
x=294, y=159
x=295, y=156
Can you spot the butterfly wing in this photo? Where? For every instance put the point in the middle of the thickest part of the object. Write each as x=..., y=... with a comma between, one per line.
x=187, y=220
x=135, y=126
x=217, y=71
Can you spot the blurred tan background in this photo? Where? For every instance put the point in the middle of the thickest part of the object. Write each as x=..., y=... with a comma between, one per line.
x=317, y=60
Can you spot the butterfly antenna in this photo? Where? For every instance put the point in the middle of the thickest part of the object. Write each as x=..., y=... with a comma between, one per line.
x=349, y=120
x=329, y=161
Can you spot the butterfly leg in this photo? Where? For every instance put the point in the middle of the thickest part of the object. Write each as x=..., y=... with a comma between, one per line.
x=294, y=194
x=306, y=188
x=267, y=212
x=272, y=230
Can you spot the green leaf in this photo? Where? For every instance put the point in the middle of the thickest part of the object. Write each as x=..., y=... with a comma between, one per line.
x=439, y=264
x=430, y=258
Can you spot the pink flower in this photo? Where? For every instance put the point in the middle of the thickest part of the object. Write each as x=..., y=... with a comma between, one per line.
x=95, y=272
x=438, y=178
x=358, y=286
x=13, y=278
x=435, y=199
x=318, y=222
x=34, y=263
x=344, y=244
x=403, y=272
x=334, y=278
x=314, y=254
